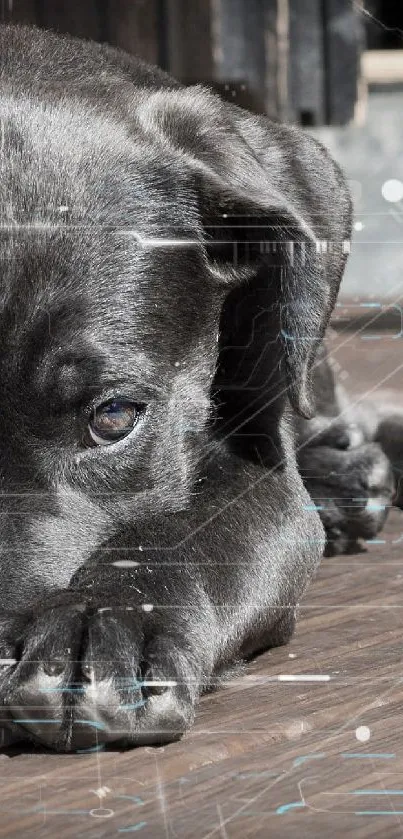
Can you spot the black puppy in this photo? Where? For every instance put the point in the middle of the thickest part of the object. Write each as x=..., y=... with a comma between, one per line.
x=163, y=295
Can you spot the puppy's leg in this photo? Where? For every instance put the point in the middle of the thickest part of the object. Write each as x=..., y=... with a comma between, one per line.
x=389, y=435
x=336, y=424
x=163, y=609
x=353, y=490
x=344, y=457
x=382, y=421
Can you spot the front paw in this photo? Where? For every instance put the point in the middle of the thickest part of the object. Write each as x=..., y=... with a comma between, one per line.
x=353, y=492
x=88, y=674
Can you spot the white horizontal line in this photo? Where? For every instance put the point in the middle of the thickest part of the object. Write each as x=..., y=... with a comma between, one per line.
x=292, y=678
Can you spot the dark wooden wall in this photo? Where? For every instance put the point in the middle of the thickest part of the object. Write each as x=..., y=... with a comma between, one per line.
x=297, y=60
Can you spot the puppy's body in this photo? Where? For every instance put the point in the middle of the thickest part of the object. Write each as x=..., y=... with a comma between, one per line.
x=159, y=245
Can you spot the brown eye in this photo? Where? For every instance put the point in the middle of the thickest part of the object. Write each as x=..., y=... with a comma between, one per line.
x=112, y=421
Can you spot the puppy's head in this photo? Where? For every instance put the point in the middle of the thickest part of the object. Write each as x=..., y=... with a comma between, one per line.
x=119, y=243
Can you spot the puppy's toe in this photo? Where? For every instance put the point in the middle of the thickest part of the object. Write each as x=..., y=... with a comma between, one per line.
x=38, y=689
x=139, y=686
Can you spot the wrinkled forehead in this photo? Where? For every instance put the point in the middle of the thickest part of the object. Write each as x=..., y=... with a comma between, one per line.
x=93, y=223
x=68, y=164
x=104, y=289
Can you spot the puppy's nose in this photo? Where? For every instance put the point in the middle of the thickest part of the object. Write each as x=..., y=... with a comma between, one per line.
x=70, y=716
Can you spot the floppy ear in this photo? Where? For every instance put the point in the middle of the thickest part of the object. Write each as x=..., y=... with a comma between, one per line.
x=268, y=194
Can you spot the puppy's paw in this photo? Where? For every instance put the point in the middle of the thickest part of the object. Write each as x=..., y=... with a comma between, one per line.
x=86, y=675
x=353, y=491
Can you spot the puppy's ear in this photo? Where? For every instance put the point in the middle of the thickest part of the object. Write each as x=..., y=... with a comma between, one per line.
x=267, y=194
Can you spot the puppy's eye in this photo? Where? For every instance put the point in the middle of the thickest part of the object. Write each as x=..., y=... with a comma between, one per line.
x=112, y=421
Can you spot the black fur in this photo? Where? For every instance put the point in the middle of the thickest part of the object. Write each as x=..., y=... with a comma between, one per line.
x=160, y=244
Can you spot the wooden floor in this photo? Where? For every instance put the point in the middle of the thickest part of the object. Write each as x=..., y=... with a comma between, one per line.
x=307, y=743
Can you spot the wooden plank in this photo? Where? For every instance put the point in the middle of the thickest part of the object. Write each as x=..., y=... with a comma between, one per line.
x=382, y=66
x=74, y=17
x=344, y=33
x=272, y=58
x=20, y=11
x=189, y=40
x=306, y=63
x=133, y=26
x=239, y=49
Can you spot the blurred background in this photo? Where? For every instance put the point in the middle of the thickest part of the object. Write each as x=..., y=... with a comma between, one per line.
x=332, y=66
